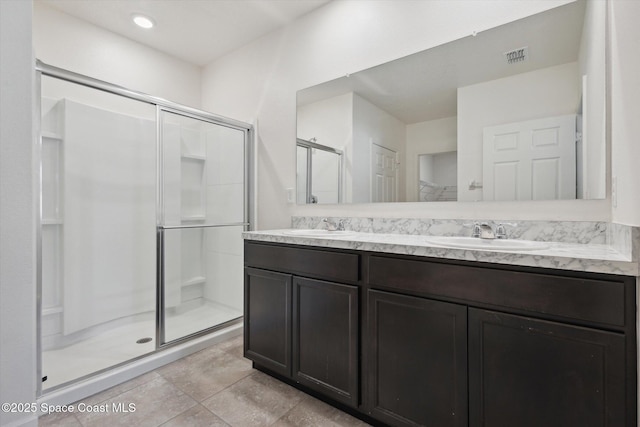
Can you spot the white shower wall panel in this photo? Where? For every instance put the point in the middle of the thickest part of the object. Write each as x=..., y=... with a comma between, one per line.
x=172, y=174
x=172, y=213
x=51, y=269
x=225, y=175
x=109, y=216
x=192, y=250
x=225, y=261
x=224, y=280
x=225, y=201
x=172, y=268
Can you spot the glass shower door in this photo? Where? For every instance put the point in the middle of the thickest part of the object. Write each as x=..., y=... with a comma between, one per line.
x=203, y=216
x=98, y=230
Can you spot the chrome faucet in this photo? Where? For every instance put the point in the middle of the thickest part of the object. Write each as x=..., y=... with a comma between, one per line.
x=483, y=231
x=501, y=232
x=333, y=226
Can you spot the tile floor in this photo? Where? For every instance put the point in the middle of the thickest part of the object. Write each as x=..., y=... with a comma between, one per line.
x=118, y=344
x=213, y=387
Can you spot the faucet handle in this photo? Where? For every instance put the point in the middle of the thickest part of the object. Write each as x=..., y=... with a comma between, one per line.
x=501, y=231
x=333, y=225
x=477, y=230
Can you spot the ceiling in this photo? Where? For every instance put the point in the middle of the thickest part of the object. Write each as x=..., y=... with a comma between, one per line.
x=196, y=31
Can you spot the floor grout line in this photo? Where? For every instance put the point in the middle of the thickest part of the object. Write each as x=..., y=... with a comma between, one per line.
x=239, y=414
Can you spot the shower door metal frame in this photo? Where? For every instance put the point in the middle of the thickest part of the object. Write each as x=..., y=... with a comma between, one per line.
x=161, y=227
x=43, y=69
x=309, y=145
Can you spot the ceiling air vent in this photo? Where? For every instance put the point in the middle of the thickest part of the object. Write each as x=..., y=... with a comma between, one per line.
x=517, y=55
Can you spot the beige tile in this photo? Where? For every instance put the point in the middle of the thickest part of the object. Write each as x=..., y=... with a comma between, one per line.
x=120, y=388
x=205, y=373
x=234, y=346
x=257, y=400
x=311, y=412
x=59, y=420
x=198, y=416
x=155, y=402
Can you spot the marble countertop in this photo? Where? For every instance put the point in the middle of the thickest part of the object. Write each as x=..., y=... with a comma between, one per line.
x=598, y=258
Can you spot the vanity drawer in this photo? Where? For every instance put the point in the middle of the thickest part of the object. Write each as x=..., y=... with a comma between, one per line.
x=324, y=264
x=584, y=299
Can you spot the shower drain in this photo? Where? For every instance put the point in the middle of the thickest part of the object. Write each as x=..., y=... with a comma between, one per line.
x=143, y=340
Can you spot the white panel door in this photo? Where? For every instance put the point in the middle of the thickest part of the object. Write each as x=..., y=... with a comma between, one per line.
x=530, y=160
x=383, y=174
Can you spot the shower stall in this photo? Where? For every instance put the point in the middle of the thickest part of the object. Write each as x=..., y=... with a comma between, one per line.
x=143, y=202
x=319, y=172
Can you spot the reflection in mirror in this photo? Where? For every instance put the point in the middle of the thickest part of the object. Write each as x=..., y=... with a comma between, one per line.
x=516, y=112
x=319, y=173
x=438, y=177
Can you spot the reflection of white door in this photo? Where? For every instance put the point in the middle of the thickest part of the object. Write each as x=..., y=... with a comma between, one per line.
x=383, y=174
x=531, y=160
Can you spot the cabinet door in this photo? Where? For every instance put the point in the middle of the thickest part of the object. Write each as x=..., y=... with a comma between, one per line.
x=417, y=361
x=527, y=372
x=325, y=338
x=267, y=321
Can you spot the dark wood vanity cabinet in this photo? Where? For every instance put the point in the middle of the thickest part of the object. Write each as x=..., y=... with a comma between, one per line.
x=414, y=341
x=301, y=326
x=325, y=338
x=417, y=357
x=529, y=372
x=267, y=328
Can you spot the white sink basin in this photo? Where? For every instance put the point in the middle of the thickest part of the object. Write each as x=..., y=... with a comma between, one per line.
x=318, y=233
x=490, y=244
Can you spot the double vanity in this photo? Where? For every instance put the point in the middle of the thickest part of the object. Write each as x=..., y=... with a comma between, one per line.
x=413, y=328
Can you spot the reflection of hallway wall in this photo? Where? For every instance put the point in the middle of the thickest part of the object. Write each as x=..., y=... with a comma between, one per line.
x=371, y=125
x=430, y=137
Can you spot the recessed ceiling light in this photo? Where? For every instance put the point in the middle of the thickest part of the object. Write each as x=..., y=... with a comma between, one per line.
x=143, y=21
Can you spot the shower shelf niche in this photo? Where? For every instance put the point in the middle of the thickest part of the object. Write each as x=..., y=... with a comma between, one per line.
x=196, y=280
x=52, y=223
x=193, y=171
x=51, y=135
x=194, y=218
x=192, y=197
x=195, y=157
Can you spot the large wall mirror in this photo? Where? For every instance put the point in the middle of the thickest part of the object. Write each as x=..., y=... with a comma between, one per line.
x=516, y=112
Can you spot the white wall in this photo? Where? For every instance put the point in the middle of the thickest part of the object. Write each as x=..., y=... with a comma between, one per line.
x=445, y=167
x=371, y=125
x=330, y=122
x=433, y=136
x=17, y=214
x=351, y=123
x=549, y=92
x=67, y=42
x=625, y=110
x=258, y=83
x=592, y=65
